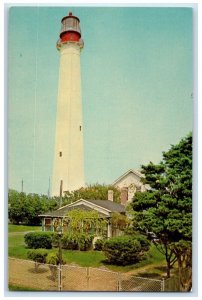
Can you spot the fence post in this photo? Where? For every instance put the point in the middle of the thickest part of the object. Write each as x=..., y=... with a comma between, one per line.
x=87, y=277
x=163, y=285
x=60, y=277
x=119, y=282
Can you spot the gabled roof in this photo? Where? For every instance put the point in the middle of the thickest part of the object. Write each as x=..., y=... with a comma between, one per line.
x=135, y=172
x=104, y=207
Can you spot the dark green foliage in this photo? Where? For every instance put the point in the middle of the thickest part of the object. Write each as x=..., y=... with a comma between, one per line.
x=38, y=255
x=99, y=244
x=77, y=241
x=123, y=250
x=39, y=240
x=25, y=209
x=166, y=209
x=145, y=244
x=96, y=192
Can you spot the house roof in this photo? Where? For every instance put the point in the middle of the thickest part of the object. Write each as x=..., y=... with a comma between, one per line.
x=104, y=207
x=109, y=205
x=135, y=172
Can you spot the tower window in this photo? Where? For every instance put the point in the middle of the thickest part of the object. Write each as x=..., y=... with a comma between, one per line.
x=60, y=153
x=80, y=127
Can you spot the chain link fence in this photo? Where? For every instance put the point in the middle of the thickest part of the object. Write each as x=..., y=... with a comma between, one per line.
x=44, y=277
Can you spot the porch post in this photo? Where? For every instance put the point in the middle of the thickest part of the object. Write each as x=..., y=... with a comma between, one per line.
x=42, y=224
x=109, y=229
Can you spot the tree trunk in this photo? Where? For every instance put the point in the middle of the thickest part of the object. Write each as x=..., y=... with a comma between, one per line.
x=185, y=276
x=168, y=269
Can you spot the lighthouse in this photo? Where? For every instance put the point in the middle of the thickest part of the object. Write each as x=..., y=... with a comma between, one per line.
x=68, y=165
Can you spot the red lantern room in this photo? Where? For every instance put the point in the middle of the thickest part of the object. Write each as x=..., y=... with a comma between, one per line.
x=70, y=31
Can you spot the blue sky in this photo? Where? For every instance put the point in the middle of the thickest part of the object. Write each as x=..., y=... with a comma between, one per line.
x=136, y=89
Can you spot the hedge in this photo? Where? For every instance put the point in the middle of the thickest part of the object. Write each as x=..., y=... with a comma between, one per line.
x=36, y=240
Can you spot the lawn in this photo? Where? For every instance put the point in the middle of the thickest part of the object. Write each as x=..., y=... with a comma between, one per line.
x=22, y=228
x=17, y=248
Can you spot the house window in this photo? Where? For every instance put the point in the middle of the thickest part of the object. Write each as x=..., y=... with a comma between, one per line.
x=60, y=153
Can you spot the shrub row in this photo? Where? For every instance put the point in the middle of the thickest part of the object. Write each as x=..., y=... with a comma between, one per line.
x=121, y=250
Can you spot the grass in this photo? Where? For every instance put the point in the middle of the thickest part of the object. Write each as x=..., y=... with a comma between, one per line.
x=16, y=245
x=84, y=258
x=22, y=228
x=153, y=257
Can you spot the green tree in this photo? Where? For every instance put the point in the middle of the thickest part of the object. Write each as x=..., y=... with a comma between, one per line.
x=16, y=206
x=25, y=209
x=166, y=209
x=96, y=192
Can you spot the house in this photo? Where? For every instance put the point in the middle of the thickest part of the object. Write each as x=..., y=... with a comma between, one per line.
x=128, y=184
x=105, y=209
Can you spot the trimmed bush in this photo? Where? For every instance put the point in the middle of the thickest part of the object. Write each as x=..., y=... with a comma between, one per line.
x=145, y=244
x=77, y=241
x=123, y=250
x=53, y=260
x=35, y=240
x=39, y=256
x=69, y=241
x=99, y=244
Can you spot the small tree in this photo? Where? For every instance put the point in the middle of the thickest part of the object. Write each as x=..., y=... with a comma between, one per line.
x=38, y=256
x=53, y=260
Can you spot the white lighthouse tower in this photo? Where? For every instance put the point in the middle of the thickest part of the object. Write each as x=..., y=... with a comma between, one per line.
x=68, y=168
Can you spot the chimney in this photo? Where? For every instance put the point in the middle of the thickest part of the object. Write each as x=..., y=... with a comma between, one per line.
x=110, y=195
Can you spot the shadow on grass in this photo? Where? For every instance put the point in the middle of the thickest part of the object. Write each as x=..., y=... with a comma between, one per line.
x=37, y=270
x=161, y=268
x=151, y=275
